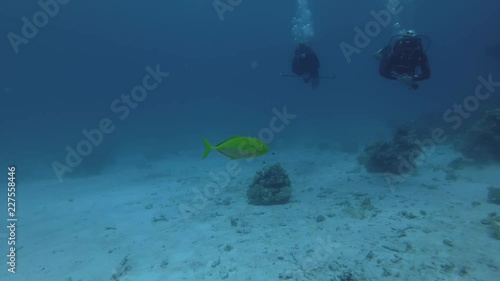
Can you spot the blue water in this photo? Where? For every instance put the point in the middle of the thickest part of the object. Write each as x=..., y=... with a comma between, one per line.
x=66, y=77
x=223, y=76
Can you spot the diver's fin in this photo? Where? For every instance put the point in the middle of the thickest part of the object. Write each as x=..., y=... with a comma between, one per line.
x=381, y=53
x=299, y=76
x=378, y=54
x=208, y=148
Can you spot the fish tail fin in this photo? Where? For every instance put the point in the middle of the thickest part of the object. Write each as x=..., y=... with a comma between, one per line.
x=208, y=148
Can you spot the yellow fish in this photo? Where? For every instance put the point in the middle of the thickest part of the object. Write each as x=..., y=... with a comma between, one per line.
x=237, y=147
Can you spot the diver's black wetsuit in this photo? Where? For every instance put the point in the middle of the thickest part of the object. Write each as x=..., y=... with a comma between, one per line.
x=305, y=63
x=408, y=58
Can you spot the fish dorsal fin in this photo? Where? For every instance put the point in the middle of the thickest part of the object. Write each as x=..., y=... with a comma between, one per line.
x=233, y=137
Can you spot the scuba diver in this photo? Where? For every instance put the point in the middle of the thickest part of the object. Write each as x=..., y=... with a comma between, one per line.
x=305, y=64
x=405, y=60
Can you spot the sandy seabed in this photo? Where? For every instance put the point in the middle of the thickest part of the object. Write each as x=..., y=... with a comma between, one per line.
x=165, y=221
